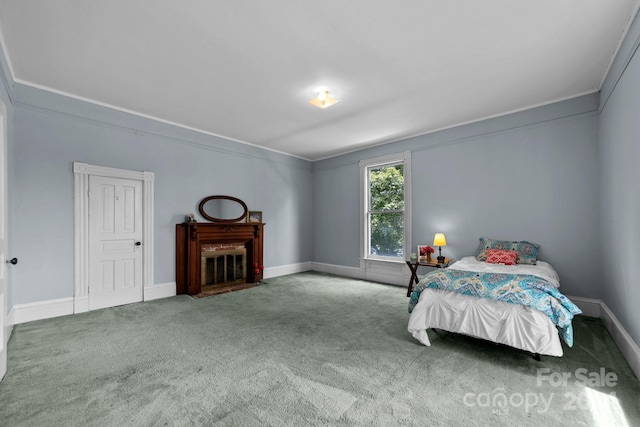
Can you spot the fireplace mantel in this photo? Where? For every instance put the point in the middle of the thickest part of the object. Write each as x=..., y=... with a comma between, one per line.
x=190, y=236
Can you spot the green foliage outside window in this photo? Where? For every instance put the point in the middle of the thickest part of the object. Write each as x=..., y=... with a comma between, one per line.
x=386, y=189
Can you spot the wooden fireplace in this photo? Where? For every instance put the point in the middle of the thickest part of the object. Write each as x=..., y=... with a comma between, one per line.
x=194, y=243
x=191, y=237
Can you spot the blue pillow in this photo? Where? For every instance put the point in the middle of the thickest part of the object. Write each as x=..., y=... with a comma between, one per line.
x=527, y=251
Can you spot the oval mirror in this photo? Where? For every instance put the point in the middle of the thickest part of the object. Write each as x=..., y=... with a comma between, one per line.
x=223, y=209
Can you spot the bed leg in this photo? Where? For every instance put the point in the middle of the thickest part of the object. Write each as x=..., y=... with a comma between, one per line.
x=537, y=357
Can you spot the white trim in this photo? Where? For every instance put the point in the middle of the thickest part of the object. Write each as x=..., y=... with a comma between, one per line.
x=374, y=270
x=384, y=270
x=390, y=272
x=160, y=290
x=87, y=169
x=627, y=346
x=364, y=165
x=6, y=73
x=408, y=197
x=338, y=270
x=621, y=337
x=8, y=330
x=148, y=227
x=81, y=173
x=589, y=306
x=22, y=313
x=150, y=117
x=469, y=122
x=81, y=240
x=81, y=304
x=4, y=237
x=283, y=270
x=621, y=41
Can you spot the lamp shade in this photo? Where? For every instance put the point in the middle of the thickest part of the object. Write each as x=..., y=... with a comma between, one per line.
x=439, y=240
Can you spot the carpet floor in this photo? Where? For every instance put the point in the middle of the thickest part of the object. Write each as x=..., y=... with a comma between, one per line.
x=308, y=349
x=225, y=289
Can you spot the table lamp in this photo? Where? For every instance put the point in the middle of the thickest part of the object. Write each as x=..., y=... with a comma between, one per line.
x=439, y=240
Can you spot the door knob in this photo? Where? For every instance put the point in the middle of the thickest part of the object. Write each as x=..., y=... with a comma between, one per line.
x=13, y=261
x=138, y=243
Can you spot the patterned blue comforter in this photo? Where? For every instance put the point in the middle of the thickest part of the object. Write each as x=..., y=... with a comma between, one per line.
x=528, y=290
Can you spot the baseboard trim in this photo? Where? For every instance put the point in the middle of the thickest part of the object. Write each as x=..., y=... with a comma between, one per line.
x=23, y=313
x=160, y=290
x=81, y=304
x=338, y=270
x=627, y=346
x=374, y=271
x=589, y=306
x=8, y=330
x=283, y=270
x=387, y=279
x=621, y=337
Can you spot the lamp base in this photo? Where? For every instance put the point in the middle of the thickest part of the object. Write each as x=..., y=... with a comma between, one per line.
x=440, y=259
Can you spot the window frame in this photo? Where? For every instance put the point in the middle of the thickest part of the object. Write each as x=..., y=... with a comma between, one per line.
x=403, y=159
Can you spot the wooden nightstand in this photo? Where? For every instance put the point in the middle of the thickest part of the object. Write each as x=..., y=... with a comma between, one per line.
x=413, y=266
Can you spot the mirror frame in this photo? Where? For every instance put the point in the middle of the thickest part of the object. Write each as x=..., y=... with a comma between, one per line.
x=214, y=219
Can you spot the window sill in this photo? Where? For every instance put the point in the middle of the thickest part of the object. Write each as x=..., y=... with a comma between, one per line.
x=391, y=261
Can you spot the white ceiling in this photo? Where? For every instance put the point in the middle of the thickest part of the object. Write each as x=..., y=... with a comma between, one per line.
x=245, y=69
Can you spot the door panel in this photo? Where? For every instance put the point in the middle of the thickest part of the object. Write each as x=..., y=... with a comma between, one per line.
x=107, y=279
x=115, y=225
x=129, y=209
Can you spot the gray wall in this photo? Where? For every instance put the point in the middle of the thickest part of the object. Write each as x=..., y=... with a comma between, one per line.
x=52, y=131
x=526, y=176
x=619, y=162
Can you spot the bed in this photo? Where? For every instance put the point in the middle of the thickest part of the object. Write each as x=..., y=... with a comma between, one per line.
x=517, y=305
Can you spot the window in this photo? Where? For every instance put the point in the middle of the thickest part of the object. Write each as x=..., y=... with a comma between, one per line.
x=386, y=208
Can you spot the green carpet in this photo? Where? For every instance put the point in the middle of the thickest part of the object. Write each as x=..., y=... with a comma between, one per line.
x=304, y=349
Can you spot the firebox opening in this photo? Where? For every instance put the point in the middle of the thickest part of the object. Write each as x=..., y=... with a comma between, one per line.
x=223, y=264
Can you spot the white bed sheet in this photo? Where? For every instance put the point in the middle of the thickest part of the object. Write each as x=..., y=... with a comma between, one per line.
x=510, y=324
x=541, y=269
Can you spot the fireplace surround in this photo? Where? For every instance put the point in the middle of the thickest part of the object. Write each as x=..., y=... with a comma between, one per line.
x=239, y=247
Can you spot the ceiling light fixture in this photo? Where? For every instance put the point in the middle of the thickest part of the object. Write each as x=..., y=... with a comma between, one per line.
x=323, y=99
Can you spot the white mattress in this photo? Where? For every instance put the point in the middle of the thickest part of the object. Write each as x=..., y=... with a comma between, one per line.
x=511, y=324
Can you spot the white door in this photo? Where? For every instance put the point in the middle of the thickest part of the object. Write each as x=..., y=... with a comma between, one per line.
x=3, y=240
x=115, y=236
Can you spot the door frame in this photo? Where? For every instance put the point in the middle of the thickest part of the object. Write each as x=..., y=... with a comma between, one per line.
x=81, y=174
x=5, y=327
